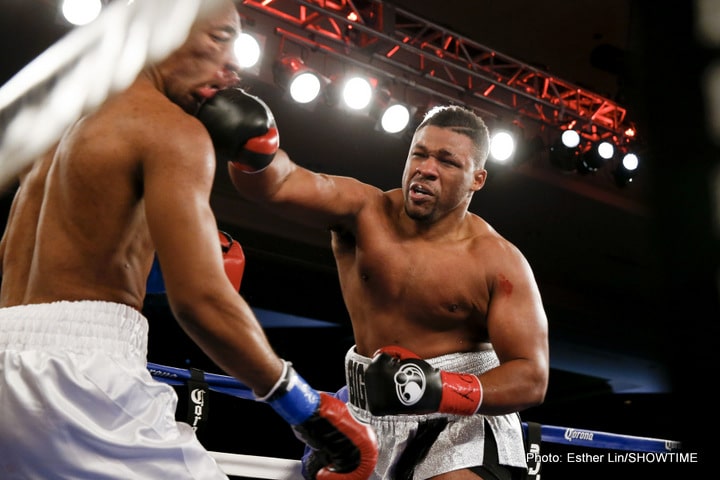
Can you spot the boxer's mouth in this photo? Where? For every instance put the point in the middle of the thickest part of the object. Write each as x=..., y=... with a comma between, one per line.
x=419, y=191
x=206, y=92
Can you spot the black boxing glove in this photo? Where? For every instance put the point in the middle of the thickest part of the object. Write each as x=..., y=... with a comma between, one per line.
x=242, y=129
x=347, y=447
x=400, y=382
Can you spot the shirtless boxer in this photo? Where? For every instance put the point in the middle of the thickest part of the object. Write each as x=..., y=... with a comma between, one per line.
x=129, y=180
x=423, y=278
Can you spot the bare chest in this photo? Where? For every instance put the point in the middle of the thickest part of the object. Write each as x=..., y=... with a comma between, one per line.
x=423, y=280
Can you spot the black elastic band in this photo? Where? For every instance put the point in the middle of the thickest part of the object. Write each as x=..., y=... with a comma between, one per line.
x=532, y=450
x=198, y=396
x=418, y=447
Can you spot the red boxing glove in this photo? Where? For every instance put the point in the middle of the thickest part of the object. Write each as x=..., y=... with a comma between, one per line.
x=400, y=382
x=346, y=448
x=242, y=129
x=351, y=455
x=233, y=259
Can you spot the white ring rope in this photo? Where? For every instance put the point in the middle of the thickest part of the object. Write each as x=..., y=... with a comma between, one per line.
x=82, y=69
x=251, y=466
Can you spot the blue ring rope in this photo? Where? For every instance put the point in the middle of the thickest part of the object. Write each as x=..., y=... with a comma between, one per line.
x=549, y=433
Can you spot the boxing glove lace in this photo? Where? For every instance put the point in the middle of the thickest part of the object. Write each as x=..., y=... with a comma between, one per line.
x=400, y=382
x=242, y=129
x=347, y=447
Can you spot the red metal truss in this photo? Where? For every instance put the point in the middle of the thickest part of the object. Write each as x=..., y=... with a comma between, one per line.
x=412, y=50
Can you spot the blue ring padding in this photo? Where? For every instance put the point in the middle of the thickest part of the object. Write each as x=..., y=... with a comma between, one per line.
x=549, y=433
x=612, y=441
x=162, y=372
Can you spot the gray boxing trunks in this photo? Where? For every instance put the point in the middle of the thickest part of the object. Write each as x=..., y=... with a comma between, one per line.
x=422, y=446
x=78, y=401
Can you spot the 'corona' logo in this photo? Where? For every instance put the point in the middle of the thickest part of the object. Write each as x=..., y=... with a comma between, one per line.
x=409, y=384
x=198, y=396
x=572, y=434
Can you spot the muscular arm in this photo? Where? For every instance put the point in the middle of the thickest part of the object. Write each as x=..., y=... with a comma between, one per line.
x=517, y=327
x=177, y=180
x=178, y=171
x=301, y=195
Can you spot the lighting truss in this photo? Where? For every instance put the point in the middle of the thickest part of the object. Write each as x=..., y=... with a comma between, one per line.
x=409, y=49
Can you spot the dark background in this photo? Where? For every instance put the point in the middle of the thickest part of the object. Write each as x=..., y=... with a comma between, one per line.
x=628, y=275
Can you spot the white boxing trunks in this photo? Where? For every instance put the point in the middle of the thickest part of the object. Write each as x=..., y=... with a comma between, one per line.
x=79, y=403
x=456, y=441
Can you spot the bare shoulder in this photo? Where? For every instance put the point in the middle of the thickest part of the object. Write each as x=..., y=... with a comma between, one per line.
x=365, y=199
x=391, y=200
x=381, y=208
x=492, y=246
x=162, y=126
x=353, y=187
x=144, y=133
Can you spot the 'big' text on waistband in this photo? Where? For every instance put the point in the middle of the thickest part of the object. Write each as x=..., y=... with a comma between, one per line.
x=356, y=384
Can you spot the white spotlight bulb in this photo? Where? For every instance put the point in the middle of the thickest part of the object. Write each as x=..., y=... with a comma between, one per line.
x=305, y=87
x=395, y=118
x=570, y=138
x=247, y=50
x=630, y=161
x=606, y=150
x=502, y=146
x=81, y=12
x=357, y=93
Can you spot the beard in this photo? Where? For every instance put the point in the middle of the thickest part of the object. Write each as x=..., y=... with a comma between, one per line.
x=419, y=214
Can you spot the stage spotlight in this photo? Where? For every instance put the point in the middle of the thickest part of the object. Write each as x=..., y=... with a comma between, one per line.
x=626, y=169
x=357, y=93
x=390, y=115
x=305, y=87
x=630, y=162
x=570, y=139
x=395, y=118
x=597, y=155
x=303, y=84
x=502, y=146
x=606, y=150
x=247, y=50
x=81, y=12
x=564, y=152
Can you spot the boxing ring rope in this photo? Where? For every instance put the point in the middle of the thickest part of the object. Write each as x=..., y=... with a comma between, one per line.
x=81, y=70
x=252, y=466
x=275, y=468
